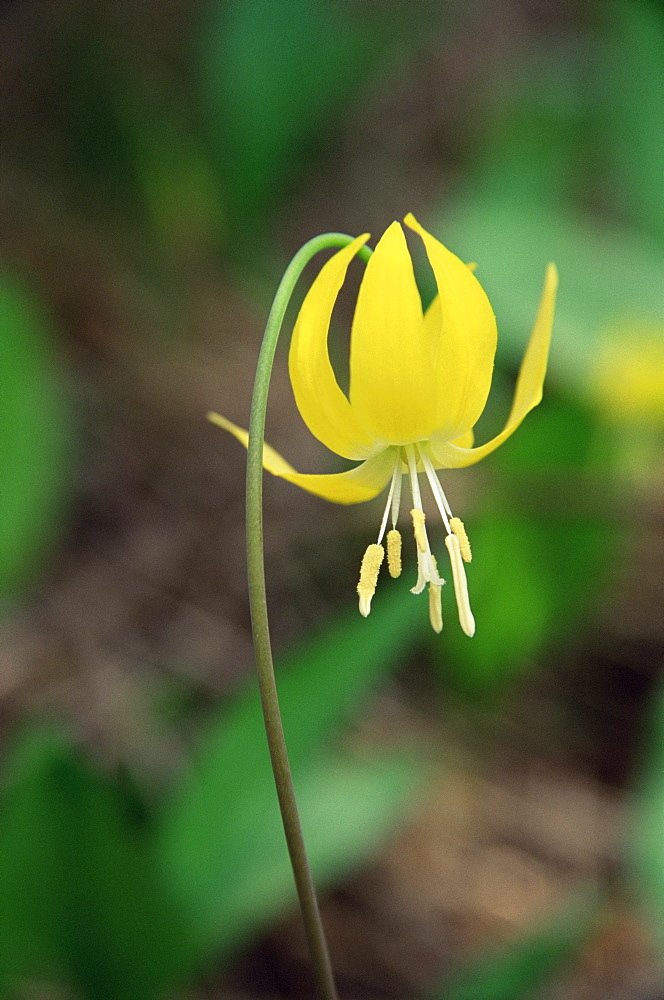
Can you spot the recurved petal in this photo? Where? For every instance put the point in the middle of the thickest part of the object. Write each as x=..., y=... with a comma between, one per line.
x=528, y=391
x=390, y=355
x=272, y=460
x=461, y=324
x=364, y=482
x=323, y=406
x=465, y=440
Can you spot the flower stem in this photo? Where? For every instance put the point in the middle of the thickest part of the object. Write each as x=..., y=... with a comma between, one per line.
x=259, y=618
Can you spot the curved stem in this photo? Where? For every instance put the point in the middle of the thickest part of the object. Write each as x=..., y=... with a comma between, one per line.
x=259, y=617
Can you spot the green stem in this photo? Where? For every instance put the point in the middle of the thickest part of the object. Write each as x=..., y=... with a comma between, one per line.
x=259, y=619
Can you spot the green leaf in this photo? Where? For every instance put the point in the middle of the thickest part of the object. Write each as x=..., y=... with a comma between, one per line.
x=221, y=820
x=240, y=877
x=531, y=581
x=556, y=442
x=532, y=128
x=646, y=846
x=81, y=900
x=277, y=79
x=539, y=559
x=34, y=437
x=172, y=170
x=320, y=685
x=512, y=604
x=270, y=82
x=518, y=970
x=629, y=83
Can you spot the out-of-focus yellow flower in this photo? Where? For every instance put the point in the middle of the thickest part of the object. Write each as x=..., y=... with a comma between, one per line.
x=627, y=375
x=418, y=384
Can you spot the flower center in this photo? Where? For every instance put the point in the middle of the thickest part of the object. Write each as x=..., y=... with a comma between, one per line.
x=456, y=542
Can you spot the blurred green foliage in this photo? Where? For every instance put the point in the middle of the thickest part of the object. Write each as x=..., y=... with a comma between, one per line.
x=647, y=833
x=121, y=899
x=542, y=544
x=539, y=554
x=521, y=968
x=277, y=84
x=610, y=272
x=628, y=98
x=221, y=838
x=82, y=901
x=35, y=446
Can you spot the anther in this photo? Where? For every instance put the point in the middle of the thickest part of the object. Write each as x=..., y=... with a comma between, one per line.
x=394, y=552
x=457, y=526
x=460, y=585
x=418, y=528
x=369, y=570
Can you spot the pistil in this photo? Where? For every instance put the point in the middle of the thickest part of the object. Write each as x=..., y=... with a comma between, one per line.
x=456, y=542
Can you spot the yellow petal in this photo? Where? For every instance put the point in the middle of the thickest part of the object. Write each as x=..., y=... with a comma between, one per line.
x=465, y=440
x=272, y=460
x=324, y=407
x=528, y=387
x=364, y=482
x=461, y=323
x=390, y=356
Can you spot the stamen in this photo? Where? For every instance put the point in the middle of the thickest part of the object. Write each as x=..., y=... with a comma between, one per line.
x=435, y=608
x=396, y=495
x=457, y=526
x=435, y=603
x=436, y=489
x=427, y=571
x=419, y=529
x=460, y=585
x=412, y=469
x=369, y=570
x=394, y=486
x=394, y=552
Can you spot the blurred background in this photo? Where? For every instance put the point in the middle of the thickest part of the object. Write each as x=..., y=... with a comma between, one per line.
x=485, y=817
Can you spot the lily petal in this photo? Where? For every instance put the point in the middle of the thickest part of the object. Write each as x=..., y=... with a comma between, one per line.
x=461, y=324
x=390, y=356
x=465, y=440
x=364, y=482
x=323, y=406
x=528, y=393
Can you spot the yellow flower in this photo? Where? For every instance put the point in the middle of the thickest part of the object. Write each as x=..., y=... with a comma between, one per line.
x=418, y=384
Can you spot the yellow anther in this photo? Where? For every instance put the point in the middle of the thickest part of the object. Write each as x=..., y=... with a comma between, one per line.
x=369, y=570
x=418, y=528
x=457, y=526
x=394, y=552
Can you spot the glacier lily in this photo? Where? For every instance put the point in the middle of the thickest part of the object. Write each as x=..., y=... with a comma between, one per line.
x=418, y=384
